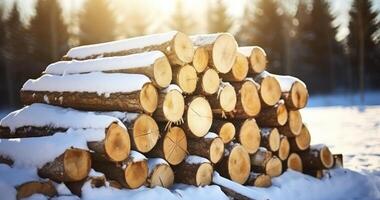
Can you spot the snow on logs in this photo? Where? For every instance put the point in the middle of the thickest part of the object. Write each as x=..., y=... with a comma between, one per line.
x=93, y=91
x=153, y=64
x=221, y=48
x=210, y=146
x=259, y=180
x=264, y=162
x=102, y=134
x=175, y=45
x=317, y=157
x=94, y=179
x=194, y=170
x=160, y=173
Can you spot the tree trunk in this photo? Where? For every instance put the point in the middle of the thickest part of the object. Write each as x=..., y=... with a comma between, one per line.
x=284, y=150
x=248, y=135
x=317, y=157
x=208, y=83
x=144, y=133
x=27, y=189
x=198, y=117
x=273, y=116
x=224, y=101
x=160, y=173
x=171, y=105
x=195, y=171
x=210, y=146
x=293, y=126
x=257, y=58
x=293, y=162
x=259, y=180
x=248, y=100
x=226, y=130
x=239, y=70
x=201, y=59
x=300, y=142
x=269, y=91
x=186, y=78
x=270, y=139
x=263, y=162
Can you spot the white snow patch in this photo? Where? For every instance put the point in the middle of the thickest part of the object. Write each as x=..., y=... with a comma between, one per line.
x=286, y=82
x=205, y=39
x=17, y=176
x=211, y=135
x=36, y=197
x=172, y=87
x=94, y=173
x=97, y=82
x=247, y=51
x=153, y=162
x=136, y=156
x=120, y=45
x=196, y=160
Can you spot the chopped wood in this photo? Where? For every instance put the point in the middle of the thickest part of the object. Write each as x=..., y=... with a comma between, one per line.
x=270, y=139
x=195, y=171
x=171, y=105
x=293, y=126
x=317, y=157
x=257, y=58
x=27, y=189
x=198, y=116
x=248, y=135
x=224, y=101
x=284, y=150
x=208, y=83
x=293, y=162
x=144, y=133
x=225, y=129
x=297, y=97
x=238, y=71
x=95, y=181
x=160, y=173
x=273, y=116
x=210, y=146
x=248, y=101
x=186, y=78
x=201, y=59
x=259, y=180
x=300, y=142
x=269, y=91
x=263, y=162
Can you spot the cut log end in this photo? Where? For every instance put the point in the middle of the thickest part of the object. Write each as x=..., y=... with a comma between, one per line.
x=216, y=150
x=224, y=53
x=273, y=167
x=175, y=145
x=259, y=180
x=270, y=91
x=187, y=79
x=284, y=149
x=250, y=99
x=199, y=116
x=204, y=174
x=145, y=133
x=117, y=143
x=148, y=98
x=201, y=59
x=227, y=132
x=249, y=135
x=173, y=106
x=77, y=164
x=302, y=141
x=239, y=165
x=298, y=96
x=136, y=174
x=326, y=157
x=227, y=98
x=295, y=122
x=35, y=187
x=258, y=60
x=240, y=68
x=294, y=162
x=183, y=48
x=274, y=140
x=162, y=72
x=162, y=176
x=210, y=82
x=282, y=114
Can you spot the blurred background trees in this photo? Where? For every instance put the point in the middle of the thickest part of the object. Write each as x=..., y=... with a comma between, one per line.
x=300, y=37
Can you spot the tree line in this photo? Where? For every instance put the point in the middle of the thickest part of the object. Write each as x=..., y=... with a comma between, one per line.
x=302, y=44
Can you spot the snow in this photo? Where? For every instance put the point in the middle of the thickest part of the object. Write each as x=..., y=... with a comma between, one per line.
x=172, y=87
x=285, y=81
x=247, y=51
x=211, y=135
x=104, y=64
x=36, y=197
x=153, y=162
x=205, y=39
x=196, y=160
x=123, y=116
x=94, y=173
x=136, y=156
x=56, y=117
x=17, y=176
x=97, y=82
x=120, y=45
x=344, y=99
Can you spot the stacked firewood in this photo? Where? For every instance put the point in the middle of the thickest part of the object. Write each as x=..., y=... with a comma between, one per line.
x=157, y=110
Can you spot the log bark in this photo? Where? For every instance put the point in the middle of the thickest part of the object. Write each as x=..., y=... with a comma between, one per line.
x=224, y=101
x=72, y=165
x=300, y=142
x=270, y=139
x=195, y=172
x=297, y=97
x=172, y=146
x=293, y=126
x=27, y=189
x=248, y=101
x=232, y=194
x=186, y=78
x=293, y=162
x=208, y=83
x=177, y=47
x=210, y=146
x=269, y=91
x=144, y=100
x=317, y=157
x=201, y=59
x=160, y=173
x=95, y=181
x=284, y=150
x=263, y=162
x=257, y=58
x=198, y=116
x=238, y=71
x=235, y=164
x=248, y=135
x=338, y=160
x=144, y=133
x=259, y=180
x=171, y=105
x=225, y=129
x=273, y=116
x=221, y=48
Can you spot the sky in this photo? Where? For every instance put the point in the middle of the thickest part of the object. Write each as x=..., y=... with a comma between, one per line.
x=195, y=8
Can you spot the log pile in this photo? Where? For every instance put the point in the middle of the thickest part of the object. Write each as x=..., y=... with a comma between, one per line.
x=162, y=109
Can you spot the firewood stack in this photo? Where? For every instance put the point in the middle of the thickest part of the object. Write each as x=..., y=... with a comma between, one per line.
x=161, y=109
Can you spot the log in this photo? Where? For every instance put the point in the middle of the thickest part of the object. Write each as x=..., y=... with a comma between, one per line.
x=93, y=91
x=235, y=164
x=153, y=64
x=221, y=48
x=224, y=101
x=293, y=162
x=248, y=100
x=270, y=139
x=257, y=58
x=186, y=78
x=233, y=194
x=130, y=173
x=317, y=157
x=198, y=116
x=259, y=180
x=160, y=173
x=273, y=116
x=300, y=142
x=338, y=160
x=208, y=83
x=210, y=146
x=269, y=91
x=175, y=45
x=95, y=180
x=195, y=171
x=201, y=59
x=284, y=150
x=225, y=130
x=144, y=133
x=238, y=71
x=172, y=146
x=171, y=105
x=248, y=135
x=263, y=162
x=27, y=189
x=72, y=165
x=293, y=126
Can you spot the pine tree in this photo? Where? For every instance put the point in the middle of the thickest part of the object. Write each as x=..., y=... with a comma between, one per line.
x=3, y=84
x=181, y=20
x=48, y=33
x=218, y=19
x=264, y=26
x=364, y=54
x=97, y=22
